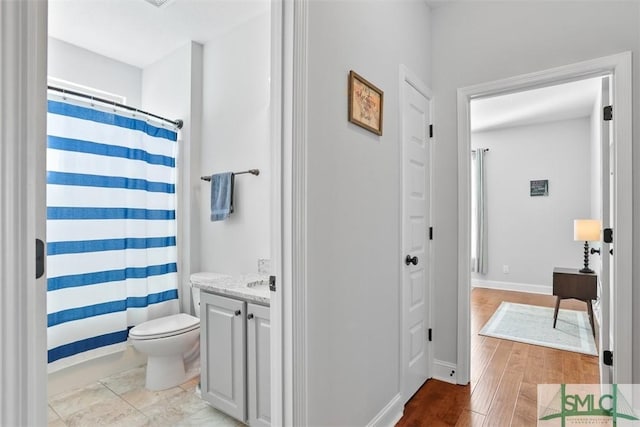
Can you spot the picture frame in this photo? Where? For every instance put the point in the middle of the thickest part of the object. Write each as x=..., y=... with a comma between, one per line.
x=366, y=103
x=539, y=187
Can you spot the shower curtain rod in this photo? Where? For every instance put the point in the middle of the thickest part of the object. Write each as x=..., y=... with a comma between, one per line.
x=177, y=123
x=483, y=149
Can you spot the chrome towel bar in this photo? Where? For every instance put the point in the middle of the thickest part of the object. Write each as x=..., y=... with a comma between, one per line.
x=251, y=171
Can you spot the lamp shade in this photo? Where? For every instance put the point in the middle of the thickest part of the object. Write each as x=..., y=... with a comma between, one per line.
x=586, y=230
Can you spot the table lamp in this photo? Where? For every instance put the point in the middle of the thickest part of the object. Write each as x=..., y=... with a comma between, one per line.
x=587, y=230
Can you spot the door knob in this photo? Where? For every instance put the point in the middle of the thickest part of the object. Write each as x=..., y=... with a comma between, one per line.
x=411, y=260
x=237, y=313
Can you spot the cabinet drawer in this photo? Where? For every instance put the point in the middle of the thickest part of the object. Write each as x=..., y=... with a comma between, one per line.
x=575, y=286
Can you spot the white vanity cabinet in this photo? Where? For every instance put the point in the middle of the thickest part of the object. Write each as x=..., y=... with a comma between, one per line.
x=234, y=357
x=223, y=353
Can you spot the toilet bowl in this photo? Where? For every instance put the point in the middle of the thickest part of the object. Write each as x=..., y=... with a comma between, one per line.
x=172, y=346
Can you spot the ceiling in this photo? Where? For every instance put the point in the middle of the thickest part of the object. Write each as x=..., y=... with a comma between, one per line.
x=138, y=33
x=551, y=103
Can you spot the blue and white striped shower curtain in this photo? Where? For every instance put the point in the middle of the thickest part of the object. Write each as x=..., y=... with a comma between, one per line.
x=111, y=229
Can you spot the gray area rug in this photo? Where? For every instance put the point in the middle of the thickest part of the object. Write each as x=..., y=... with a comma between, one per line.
x=534, y=325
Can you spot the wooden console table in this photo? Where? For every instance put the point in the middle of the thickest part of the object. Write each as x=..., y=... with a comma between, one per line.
x=570, y=283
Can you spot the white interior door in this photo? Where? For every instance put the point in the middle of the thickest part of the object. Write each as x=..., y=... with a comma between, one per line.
x=606, y=273
x=416, y=263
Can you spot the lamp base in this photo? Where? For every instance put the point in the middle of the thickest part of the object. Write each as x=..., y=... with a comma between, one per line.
x=586, y=268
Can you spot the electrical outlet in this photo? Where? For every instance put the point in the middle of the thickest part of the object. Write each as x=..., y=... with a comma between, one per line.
x=505, y=269
x=264, y=266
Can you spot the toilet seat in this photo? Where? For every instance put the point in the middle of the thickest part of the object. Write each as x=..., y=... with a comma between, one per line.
x=165, y=327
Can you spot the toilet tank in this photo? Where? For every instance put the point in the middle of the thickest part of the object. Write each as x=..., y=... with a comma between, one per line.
x=195, y=292
x=195, y=297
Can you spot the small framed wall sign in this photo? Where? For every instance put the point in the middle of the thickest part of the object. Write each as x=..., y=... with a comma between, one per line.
x=539, y=187
x=365, y=103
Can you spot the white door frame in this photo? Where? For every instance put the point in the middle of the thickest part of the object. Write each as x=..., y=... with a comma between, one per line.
x=23, y=118
x=295, y=34
x=407, y=76
x=619, y=66
x=23, y=89
x=276, y=309
x=604, y=146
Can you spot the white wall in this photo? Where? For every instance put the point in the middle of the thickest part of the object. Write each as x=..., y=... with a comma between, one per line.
x=81, y=66
x=172, y=88
x=532, y=235
x=353, y=216
x=236, y=137
x=476, y=42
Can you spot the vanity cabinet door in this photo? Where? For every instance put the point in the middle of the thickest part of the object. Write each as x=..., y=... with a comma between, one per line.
x=258, y=365
x=223, y=353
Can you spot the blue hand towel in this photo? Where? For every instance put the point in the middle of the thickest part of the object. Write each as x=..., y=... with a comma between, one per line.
x=221, y=196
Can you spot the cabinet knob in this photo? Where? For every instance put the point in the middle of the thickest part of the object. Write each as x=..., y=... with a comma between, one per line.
x=238, y=313
x=250, y=316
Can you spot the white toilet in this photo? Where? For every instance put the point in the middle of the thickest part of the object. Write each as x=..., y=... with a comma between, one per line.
x=172, y=344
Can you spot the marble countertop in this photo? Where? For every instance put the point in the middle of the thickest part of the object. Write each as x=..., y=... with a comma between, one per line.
x=251, y=287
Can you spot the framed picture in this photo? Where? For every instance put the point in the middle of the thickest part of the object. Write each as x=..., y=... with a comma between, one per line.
x=365, y=103
x=539, y=187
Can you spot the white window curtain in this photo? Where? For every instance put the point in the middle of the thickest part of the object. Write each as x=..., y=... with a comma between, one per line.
x=478, y=213
x=111, y=228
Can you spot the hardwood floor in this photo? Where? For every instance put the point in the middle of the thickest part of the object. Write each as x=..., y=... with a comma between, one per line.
x=504, y=374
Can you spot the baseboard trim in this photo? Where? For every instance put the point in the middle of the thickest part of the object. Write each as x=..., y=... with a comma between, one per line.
x=513, y=286
x=390, y=414
x=445, y=371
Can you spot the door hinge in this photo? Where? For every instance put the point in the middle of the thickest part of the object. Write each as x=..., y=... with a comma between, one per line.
x=39, y=258
x=430, y=233
x=607, y=113
x=272, y=283
x=430, y=131
x=430, y=334
x=607, y=235
x=607, y=357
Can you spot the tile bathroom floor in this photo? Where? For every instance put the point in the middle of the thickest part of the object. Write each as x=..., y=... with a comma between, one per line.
x=122, y=400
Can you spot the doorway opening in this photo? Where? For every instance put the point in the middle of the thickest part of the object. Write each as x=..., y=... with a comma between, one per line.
x=616, y=66
x=169, y=60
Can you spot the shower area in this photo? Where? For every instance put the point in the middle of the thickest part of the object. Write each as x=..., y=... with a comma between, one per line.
x=115, y=204
x=111, y=224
